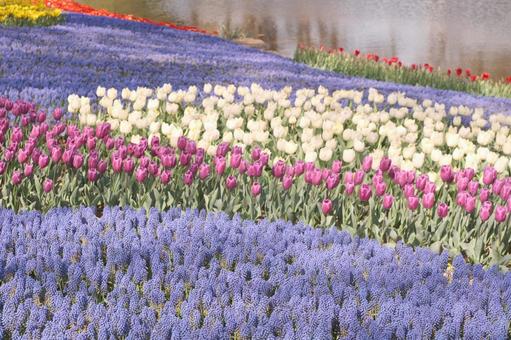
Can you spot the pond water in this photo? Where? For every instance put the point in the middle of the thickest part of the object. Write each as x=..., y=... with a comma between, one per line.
x=473, y=34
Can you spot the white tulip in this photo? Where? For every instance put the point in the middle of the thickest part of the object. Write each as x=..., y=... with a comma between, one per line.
x=358, y=145
x=135, y=139
x=311, y=156
x=290, y=148
x=111, y=93
x=325, y=154
x=501, y=164
x=125, y=127
x=348, y=155
x=100, y=91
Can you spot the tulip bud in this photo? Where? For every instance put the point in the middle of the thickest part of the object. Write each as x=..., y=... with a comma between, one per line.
x=385, y=164
x=428, y=200
x=236, y=160
x=102, y=166
x=92, y=175
x=128, y=165
x=442, y=210
x=231, y=182
x=497, y=186
x=500, y=214
x=473, y=188
x=421, y=182
x=326, y=206
x=165, y=176
x=77, y=161
x=47, y=185
x=485, y=213
x=188, y=177
x=367, y=163
x=470, y=204
x=220, y=164
x=256, y=189
x=446, y=174
x=57, y=113
x=380, y=187
x=255, y=154
x=17, y=177
x=409, y=190
x=388, y=200
x=279, y=169
x=287, y=182
x=365, y=192
x=349, y=188
x=28, y=170
x=181, y=143
x=413, y=202
x=43, y=161
x=489, y=175
x=484, y=195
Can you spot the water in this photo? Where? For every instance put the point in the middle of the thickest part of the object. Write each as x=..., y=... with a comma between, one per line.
x=474, y=34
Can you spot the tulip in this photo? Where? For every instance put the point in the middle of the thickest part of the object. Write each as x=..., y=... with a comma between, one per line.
x=168, y=161
x=380, y=187
x=484, y=195
x=190, y=148
x=388, y=200
x=409, y=190
x=220, y=165
x=77, y=161
x=428, y=200
x=57, y=113
x=287, y=182
x=462, y=183
x=442, y=210
x=446, y=174
x=153, y=168
x=222, y=149
x=43, y=161
x=473, y=188
x=326, y=206
x=359, y=177
x=165, y=176
x=184, y=158
x=264, y=158
x=117, y=164
x=92, y=175
x=203, y=171
x=255, y=154
x=497, y=186
x=47, y=185
x=500, y=214
x=470, y=204
x=505, y=192
x=421, y=182
x=349, y=177
x=299, y=168
x=484, y=213
x=188, y=177
x=365, y=192
x=199, y=155
x=337, y=166
x=489, y=175
x=461, y=198
x=3, y=167
x=236, y=160
x=413, y=202
x=255, y=189
x=8, y=155
x=102, y=166
x=243, y=167
x=332, y=181
x=17, y=177
x=385, y=164
x=430, y=187
x=28, y=170
x=279, y=169
x=367, y=163
x=128, y=165
x=349, y=188
x=181, y=143
x=91, y=143
x=230, y=182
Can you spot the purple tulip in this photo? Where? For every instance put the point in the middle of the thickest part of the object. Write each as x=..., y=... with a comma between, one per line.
x=165, y=176
x=500, y=214
x=236, y=160
x=47, y=185
x=489, y=175
x=430, y=187
x=332, y=181
x=117, y=164
x=473, y=187
x=220, y=165
x=181, y=143
x=470, y=204
x=17, y=177
x=230, y=182
x=22, y=156
x=349, y=188
x=428, y=200
x=461, y=198
x=77, y=161
x=324, y=174
x=413, y=202
x=446, y=174
x=380, y=187
x=199, y=156
x=367, y=163
x=505, y=192
x=326, y=206
x=313, y=176
x=365, y=192
x=255, y=154
x=264, y=158
x=168, y=161
x=141, y=174
x=8, y=155
x=299, y=168
x=279, y=169
x=244, y=167
x=191, y=147
x=91, y=143
x=337, y=166
x=153, y=168
x=128, y=165
x=442, y=210
x=287, y=182
x=3, y=167
x=409, y=190
x=497, y=186
x=359, y=177
x=484, y=195
x=184, y=158
x=28, y=170
x=349, y=177
x=237, y=149
x=385, y=164
x=92, y=174
x=388, y=200
x=255, y=189
x=43, y=161
x=485, y=213
x=203, y=171
x=188, y=177
x=421, y=182
x=462, y=183
x=102, y=166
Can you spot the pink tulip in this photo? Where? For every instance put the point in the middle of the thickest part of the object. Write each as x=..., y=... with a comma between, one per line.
x=92, y=175
x=28, y=170
x=365, y=192
x=470, y=204
x=484, y=213
x=299, y=168
x=43, y=161
x=325, y=173
x=102, y=166
x=128, y=165
x=91, y=143
x=421, y=182
x=3, y=167
x=497, y=186
x=255, y=154
x=17, y=177
x=47, y=185
x=489, y=175
x=461, y=198
x=442, y=210
x=484, y=195
x=462, y=183
x=57, y=113
x=188, y=177
x=380, y=187
x=326, y=206
x=230, y=182
x=290, y=171
x=255, y=189
x=236, y=160
x=184, y=158
x=359, y=177
x=287, y=182
x=367, y=163
x=385, y=164
x=279, y=169
x=165, y=176
x=181, y=143
x=349, y=177
x=337, y=166
x=77, y=161
x=141, y=174
x=153, y=168
x=428, y=200
x=473, y=188
x=446, y=173
x=349, y=188
x=409, y=190
x=22, y=156
x=500, y=214
x=117, y=164
x=505, y=192
x=56, y=154
x=413, y=202
x=332, y=181
x=168, y=161
x=388, y=200
x=264, y=158
x=203, y=171
x=220, y=165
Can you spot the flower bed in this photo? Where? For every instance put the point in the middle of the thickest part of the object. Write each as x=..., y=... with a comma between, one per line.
x=190, y=275
x=25, y=13
x=42, y=167
x=371, y=66
x=45, y=65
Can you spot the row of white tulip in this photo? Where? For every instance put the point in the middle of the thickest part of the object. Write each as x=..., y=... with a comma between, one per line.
x=314, y=125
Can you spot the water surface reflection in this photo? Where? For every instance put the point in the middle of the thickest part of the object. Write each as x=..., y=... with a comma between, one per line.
x=447, y=33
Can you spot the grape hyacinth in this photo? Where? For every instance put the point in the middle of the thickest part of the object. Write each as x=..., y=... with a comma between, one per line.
x=188, y=274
